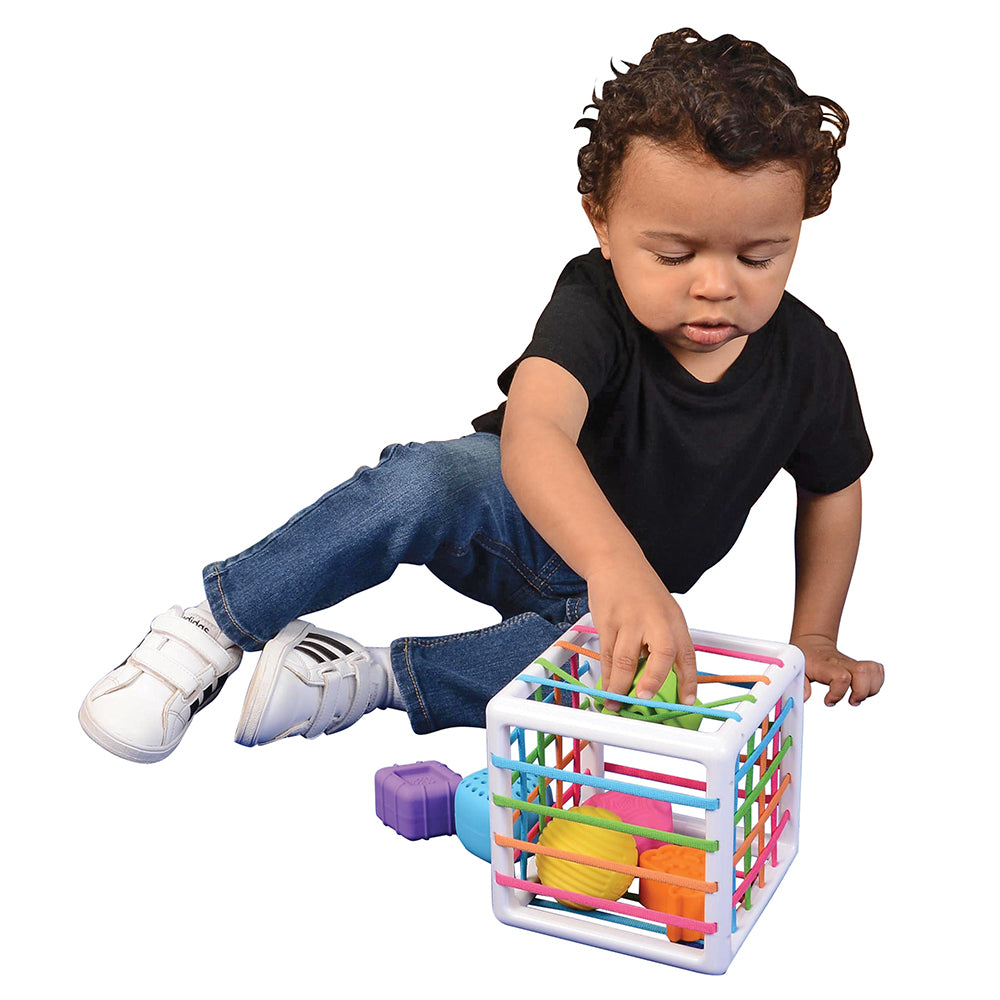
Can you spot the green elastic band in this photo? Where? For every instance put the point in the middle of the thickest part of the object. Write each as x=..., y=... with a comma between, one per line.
x=759, y=787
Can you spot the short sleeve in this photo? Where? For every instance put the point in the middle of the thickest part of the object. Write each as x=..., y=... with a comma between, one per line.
x=581, y=330
x=834, y=449
x=577, y=334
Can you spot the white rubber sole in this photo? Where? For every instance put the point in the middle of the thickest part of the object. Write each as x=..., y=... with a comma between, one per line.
x=139, y=755
x=265, y=676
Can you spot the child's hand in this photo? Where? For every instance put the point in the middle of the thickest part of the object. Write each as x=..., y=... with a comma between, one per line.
x=633, y=612
x=825, y=664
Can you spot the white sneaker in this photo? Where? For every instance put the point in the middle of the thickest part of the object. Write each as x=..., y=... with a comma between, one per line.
x=310, y=681
x=143, y=707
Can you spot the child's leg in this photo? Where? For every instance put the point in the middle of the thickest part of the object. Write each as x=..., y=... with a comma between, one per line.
x=447, y=681
x=310, y=681
x=442, y=504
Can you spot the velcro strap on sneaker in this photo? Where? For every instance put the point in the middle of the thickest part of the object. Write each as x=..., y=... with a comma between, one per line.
x=335, y=699
x=168, y=669
x=194, y=638
x=343, y=702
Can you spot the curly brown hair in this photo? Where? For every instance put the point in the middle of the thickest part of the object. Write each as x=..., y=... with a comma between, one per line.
x=726, y=97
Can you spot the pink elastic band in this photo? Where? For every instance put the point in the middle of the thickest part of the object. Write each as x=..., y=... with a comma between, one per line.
x=597, y=902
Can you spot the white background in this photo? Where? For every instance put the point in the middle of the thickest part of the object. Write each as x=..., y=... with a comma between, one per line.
x=246, y=245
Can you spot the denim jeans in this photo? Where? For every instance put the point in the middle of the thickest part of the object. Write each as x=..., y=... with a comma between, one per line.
x=442, y=505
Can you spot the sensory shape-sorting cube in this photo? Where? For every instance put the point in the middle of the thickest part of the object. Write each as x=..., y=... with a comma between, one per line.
x=417, y=800
x=732, y=786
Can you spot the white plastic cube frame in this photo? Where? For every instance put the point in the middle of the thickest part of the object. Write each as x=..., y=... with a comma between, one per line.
x=778, y=698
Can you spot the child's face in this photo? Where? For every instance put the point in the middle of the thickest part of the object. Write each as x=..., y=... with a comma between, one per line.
x=688, y=241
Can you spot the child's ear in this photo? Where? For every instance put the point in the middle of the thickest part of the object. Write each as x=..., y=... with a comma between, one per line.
x=600, y=223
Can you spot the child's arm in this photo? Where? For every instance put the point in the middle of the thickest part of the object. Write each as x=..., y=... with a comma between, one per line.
x=542, y=467
x=827, y=533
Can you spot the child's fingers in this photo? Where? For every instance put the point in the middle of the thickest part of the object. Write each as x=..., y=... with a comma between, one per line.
x=658, y=664
x=878, y=677
x=606, y=644
x=624, y=661
x=608, y=640
x=862, y=678
x=867, y=678
x=839, y=681
x=687, y=671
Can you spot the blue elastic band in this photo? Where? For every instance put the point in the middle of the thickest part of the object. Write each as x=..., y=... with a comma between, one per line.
x=660, y=794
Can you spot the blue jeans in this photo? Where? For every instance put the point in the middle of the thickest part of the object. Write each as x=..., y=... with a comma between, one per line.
x=442, y=505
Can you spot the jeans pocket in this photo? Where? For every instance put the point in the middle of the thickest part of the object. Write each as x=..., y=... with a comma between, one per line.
x=576, y=608
x=563, y=581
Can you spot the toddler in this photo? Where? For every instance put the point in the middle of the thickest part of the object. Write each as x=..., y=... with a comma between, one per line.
x=668, y=380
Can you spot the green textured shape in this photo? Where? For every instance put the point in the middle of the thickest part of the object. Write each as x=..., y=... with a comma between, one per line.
x=667, y=694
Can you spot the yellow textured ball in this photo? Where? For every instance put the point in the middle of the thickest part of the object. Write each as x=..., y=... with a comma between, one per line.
x=593, y=841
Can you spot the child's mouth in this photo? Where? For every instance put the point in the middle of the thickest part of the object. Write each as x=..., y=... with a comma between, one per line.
x=709, y=334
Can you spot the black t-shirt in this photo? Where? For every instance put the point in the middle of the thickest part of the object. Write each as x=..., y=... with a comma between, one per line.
x=683, y=461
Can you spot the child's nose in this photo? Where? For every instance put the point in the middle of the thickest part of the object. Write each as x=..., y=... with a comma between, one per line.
x=714, y=280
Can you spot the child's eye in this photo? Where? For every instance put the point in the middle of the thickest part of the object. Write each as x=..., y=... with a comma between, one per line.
x=684, y=258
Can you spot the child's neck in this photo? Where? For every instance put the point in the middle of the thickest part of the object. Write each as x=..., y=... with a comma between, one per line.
x=709, y=367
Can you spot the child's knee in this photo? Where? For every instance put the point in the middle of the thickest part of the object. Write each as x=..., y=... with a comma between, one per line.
x=453, y=471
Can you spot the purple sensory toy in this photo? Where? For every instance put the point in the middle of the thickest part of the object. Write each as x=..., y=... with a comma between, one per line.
x=417, y=800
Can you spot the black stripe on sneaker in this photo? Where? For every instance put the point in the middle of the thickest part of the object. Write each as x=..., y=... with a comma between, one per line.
x=330, y=641
x=311, y=649
x=209, y=694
